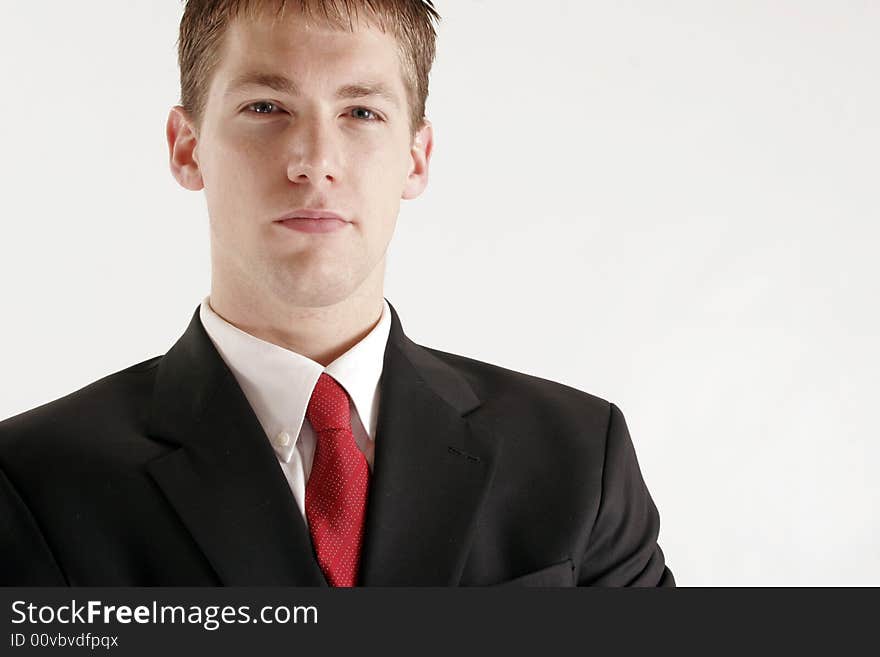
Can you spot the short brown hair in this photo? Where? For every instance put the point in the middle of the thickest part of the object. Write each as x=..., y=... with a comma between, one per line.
x=205, y=22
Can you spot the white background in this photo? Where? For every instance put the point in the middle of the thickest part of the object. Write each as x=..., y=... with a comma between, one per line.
x=671, y=205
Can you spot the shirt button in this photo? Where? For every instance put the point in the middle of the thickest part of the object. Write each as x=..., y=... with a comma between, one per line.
x=282, y=439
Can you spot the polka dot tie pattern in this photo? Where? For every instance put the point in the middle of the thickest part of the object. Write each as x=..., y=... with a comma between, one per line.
x=336, y=492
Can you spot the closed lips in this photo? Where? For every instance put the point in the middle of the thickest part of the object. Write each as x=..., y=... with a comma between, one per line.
x=311, y=214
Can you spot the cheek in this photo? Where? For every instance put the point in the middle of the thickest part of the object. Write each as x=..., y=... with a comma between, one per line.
x=380, y=190
x=245, y=158
x=239, y=171
x=382, y=168
x=232, y=183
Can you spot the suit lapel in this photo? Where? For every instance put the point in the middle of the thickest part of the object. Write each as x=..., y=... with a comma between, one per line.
x=434, y=460
x=223, y=480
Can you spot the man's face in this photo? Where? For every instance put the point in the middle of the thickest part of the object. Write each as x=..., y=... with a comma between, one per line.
x=264, y=152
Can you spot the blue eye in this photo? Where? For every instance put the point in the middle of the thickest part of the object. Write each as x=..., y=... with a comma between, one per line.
x=369, y=111
x=267, y=108
x=262, y=103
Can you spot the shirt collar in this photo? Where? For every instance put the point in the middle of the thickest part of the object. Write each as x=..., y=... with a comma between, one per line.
x=278, y=382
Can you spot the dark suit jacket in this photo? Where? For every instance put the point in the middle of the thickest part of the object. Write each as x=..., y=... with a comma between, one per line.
x=162, y=475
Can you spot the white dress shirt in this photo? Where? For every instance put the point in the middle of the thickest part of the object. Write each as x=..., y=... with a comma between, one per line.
x=278, y=384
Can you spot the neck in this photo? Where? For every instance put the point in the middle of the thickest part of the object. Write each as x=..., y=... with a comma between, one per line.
x=321, y=334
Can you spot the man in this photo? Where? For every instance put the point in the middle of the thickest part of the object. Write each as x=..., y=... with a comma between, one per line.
x=294, y=435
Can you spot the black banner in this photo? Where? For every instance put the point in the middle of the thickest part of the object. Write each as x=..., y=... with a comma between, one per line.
x=232, y=621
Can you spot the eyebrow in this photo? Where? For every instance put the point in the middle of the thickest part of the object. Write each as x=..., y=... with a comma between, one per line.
x=285, y=85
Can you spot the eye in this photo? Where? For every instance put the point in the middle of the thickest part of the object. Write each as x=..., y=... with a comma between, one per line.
x=262, y=107
x=369, y=112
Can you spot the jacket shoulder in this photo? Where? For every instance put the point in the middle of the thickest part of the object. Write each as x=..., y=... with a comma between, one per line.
x=111, y=401
x=527, y=391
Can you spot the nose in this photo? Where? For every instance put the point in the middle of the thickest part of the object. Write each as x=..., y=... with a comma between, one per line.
x=314, y=153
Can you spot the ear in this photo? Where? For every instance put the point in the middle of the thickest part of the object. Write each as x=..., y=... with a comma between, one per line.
x=182, y=143
x=420, y=151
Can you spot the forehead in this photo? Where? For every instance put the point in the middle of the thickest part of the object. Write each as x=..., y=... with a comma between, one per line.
x=308, y=51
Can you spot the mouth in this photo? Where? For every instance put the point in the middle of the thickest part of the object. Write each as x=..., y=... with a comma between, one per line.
x=313, y=221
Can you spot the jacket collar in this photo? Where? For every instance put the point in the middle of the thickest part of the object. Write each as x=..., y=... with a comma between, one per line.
x=434, y=459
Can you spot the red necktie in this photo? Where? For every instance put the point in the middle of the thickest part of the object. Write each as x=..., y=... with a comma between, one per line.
x=336, y=492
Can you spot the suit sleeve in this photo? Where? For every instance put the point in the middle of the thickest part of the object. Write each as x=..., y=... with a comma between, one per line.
x=25, y=557
x=622, y=548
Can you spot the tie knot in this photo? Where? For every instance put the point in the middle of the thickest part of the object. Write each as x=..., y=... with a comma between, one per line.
x=328, y=406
